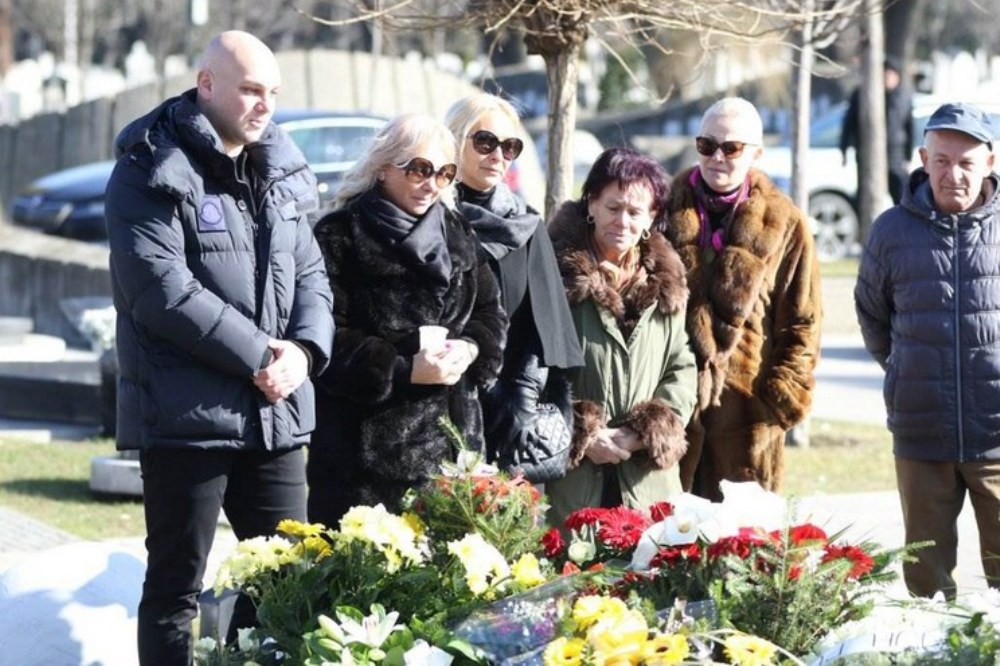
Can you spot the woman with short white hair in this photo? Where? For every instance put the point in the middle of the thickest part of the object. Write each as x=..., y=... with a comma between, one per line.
x=754, y=312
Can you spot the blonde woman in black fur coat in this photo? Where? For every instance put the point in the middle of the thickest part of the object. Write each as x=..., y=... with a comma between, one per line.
x=398, y=258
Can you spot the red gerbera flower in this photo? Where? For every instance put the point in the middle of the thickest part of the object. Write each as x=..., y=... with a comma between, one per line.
x=621, y=528
x=862, y=562
x=552, y=543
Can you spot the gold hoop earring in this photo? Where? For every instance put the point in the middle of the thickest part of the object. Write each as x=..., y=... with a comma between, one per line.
x=644, y=235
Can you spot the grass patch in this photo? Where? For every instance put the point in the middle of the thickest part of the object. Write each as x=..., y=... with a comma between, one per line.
x=50, y=482
x=843, y=457
x=840, y=268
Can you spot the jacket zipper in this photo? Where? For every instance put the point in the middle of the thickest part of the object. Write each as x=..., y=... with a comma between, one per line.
x=958, y=334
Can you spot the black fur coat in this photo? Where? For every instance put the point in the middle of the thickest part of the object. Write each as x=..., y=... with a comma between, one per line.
x=378, y=434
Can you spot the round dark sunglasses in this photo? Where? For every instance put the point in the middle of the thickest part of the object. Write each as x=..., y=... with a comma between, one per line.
x=485, y=142
x=707, y=146
x=418, y=170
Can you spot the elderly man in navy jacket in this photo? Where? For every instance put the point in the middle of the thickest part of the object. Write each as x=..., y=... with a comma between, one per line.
x=928, y=302
x=224, y=309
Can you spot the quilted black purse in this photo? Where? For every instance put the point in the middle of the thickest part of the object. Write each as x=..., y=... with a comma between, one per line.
x=540, y=450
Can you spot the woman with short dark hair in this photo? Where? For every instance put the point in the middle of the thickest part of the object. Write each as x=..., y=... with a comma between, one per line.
x=627, y=293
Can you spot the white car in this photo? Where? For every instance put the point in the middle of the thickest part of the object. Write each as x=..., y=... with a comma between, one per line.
x=833, y=185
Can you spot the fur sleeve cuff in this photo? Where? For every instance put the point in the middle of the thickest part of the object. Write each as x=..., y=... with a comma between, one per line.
x=789, y=400
x=660, y=430
x=588, y=418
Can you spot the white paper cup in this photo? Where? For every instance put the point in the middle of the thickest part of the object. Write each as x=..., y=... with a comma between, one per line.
x=433, y=337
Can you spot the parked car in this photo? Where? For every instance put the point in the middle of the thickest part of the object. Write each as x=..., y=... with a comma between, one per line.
x=70, y=202
x=833, y=185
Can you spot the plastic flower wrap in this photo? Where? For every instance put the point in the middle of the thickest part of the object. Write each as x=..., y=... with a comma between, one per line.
x=520, y=624
x=600, y=629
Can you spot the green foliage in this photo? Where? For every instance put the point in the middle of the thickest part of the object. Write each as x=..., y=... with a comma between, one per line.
x=616, y=85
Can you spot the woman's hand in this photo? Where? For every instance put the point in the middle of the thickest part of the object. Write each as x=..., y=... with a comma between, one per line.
x=604, y=449
x=627, y=439
x=444, y=365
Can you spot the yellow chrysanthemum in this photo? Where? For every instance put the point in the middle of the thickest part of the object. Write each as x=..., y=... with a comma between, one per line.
x=527, y=572
x=251, y=558
x=413, y=520
x=484, y=565
x=617, y=638
x=665, y=650
x=294, y=528
x=392, y=535
x=746, y=650
x=564, y=652
x=589, y=609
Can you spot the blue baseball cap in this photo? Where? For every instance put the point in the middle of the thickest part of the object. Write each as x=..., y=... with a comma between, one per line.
x=964, y=118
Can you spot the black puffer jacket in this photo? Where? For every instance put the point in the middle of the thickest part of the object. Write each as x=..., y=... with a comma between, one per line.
x=197, y=299
x=928, y=302
x=378, y=433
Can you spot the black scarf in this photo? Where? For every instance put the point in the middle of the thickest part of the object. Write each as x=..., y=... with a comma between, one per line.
x=422, y=241
x=503, y=224
x=502, y=220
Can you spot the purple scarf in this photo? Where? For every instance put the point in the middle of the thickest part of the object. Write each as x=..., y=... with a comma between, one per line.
x=710, y=204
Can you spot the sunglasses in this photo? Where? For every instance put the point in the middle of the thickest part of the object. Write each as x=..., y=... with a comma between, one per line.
x=419, y=170
x=707, y=146
x=486, y=142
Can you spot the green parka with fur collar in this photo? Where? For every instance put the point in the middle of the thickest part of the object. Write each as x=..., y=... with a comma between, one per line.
x=639, y=370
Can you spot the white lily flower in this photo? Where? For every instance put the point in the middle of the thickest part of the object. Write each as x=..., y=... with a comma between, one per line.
x=469, y=463
x=373, y=630
x=424, y=654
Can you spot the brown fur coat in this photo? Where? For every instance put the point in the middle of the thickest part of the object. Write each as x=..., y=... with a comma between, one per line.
x=754, y=313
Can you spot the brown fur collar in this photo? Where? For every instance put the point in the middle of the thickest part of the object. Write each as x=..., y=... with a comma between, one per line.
x=665, y=283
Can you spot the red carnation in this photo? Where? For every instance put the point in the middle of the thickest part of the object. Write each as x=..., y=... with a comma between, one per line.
x=804, y=534
x=862, y=562
x=661, y=511
x=669, y=556
x=588, y=515
x=552, y=543
x=735, y=545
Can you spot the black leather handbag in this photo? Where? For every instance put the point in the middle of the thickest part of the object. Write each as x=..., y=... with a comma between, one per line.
x=541, y=449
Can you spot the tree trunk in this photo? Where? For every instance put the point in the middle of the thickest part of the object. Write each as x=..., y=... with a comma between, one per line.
x=561, y=74
x=801, y=103
x=801, y=112
x=6, y=38
x=873, y=184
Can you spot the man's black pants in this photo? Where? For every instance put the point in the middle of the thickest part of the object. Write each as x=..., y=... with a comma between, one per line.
x=183, y=490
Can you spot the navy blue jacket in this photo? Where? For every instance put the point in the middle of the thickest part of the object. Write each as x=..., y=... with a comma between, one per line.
x=928, y=301
x=197, y=297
